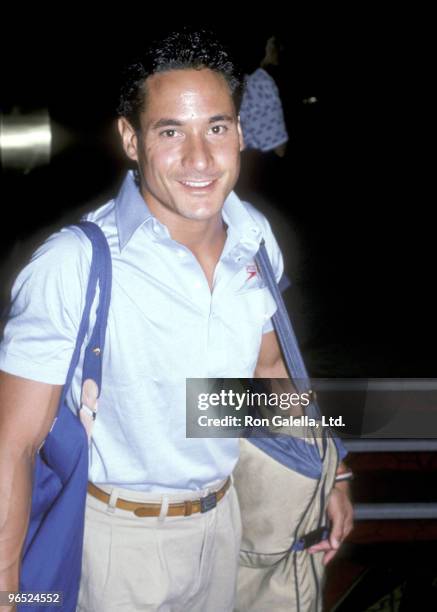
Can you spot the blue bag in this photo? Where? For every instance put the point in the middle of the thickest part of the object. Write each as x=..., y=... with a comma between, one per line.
x=52, y=551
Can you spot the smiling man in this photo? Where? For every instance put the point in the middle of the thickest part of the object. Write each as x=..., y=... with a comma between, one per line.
x=187, y=147
x=186, y=302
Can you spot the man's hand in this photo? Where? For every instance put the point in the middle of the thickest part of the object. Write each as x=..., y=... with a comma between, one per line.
x=340, y=513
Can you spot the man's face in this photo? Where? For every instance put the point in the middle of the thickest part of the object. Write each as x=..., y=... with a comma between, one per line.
x=188, y=151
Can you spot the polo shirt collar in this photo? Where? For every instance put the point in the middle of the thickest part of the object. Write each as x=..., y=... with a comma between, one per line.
x=242, y=227
x=131, y=211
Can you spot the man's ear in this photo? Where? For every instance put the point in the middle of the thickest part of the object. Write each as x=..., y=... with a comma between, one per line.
x=128, y=138
x=240, y=134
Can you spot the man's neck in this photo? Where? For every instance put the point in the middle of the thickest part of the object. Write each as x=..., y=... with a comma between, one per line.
x=200, y=236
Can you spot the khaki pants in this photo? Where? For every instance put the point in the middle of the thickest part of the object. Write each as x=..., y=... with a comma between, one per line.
x=168, y=564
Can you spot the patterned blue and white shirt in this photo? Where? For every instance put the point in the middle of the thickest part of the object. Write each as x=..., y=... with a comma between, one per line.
x=261, y=114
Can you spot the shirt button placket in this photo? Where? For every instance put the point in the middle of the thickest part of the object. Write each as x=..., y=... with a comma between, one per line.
x=216, y=352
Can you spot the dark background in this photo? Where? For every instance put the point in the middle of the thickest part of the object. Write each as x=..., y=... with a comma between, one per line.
x=351, y=204
x=351, y=188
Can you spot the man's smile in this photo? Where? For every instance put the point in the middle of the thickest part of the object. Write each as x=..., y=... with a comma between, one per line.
x=198, y=186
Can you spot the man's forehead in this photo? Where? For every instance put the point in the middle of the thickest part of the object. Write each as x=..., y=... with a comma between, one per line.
x=184, y=88
x=179, y=77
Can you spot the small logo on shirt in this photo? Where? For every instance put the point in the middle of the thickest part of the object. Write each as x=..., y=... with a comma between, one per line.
x=251, y=271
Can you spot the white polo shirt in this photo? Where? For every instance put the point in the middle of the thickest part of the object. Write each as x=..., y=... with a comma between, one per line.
x=164, y=325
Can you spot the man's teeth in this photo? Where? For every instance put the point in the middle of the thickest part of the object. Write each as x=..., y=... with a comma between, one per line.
x=197, y=184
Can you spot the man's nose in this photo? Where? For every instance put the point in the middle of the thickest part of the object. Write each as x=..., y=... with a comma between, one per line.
x=197, y=153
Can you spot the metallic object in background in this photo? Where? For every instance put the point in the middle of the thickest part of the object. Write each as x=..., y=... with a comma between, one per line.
x=383, y=512
x=391, y=446
x=25, y=140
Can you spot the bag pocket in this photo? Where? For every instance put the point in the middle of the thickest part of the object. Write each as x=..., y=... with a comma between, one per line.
x=273, y=500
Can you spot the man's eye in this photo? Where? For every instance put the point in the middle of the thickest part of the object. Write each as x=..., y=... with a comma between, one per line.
x=169, y=133
x=219, y=129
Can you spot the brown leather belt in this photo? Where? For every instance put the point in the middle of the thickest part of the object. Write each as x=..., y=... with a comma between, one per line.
x=186, y=508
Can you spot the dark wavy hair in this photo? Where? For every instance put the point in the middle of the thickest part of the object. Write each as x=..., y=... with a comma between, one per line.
x=189, y=48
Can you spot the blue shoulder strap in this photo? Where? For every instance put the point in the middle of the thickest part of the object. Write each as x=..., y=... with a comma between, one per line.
x=101, y=275
x=92, y=365
x=287, y=338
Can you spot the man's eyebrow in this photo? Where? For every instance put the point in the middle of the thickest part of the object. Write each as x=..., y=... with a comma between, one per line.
x=166, y=123
x=216, y=118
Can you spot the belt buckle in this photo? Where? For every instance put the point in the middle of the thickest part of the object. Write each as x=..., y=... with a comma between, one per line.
x=208, y=502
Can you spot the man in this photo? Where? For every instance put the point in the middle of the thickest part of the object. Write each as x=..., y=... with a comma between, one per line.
x=261, y=113
x=185, y=303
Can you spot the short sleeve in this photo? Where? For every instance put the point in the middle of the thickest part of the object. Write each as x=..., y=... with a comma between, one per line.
x=47, y=300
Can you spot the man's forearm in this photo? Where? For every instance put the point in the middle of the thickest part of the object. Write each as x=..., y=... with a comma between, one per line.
x=15, y=493
x=280, y=383
x=276, y=369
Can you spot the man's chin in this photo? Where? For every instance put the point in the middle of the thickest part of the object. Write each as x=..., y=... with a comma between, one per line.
x=201, y=211
x=201, y=214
